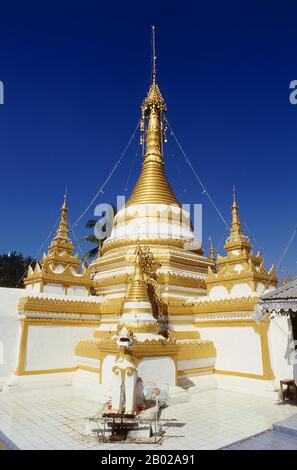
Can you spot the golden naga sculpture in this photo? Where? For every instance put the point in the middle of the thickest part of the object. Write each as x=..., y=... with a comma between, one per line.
x=149, y=268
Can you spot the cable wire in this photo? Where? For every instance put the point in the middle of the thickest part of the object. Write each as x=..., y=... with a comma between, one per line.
x=126, y=187
x=291, y=239
x=38, y=251
x=101, y=189
x=204, y=190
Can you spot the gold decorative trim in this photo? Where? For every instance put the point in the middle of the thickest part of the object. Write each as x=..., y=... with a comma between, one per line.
x=63, y=322
x=196, y=350
x=197, y=371
x=22, y=348
x=48, y=371
x=246, y=375
x=262, y=329
x=119, y=371
x=178, y=335
x=168, y=242
x=54, y=305
x=240, y=304
x=248, y=322
x=140, y=327
x=96, y=370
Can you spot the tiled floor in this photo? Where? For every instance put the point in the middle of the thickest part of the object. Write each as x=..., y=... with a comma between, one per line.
x=55, y=419
x=5, y=443
x=269, y=440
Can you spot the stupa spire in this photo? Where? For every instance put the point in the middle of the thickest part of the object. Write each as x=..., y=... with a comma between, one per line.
x=137, y=310
x=60, y=266
x=153, y=186
x=212, y=252
x=236, y=237
x=138, y=289
x=62, y=242
x=236, y=226
x=62, y=230
x=154, y=57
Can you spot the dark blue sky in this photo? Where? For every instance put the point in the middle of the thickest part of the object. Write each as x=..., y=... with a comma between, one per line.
x=75, y=74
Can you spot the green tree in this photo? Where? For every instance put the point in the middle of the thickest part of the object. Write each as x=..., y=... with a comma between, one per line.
x=93, y=252
x=13, y=268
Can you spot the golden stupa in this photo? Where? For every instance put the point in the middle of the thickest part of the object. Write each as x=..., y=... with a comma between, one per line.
x=152, y=279
x=145, y=272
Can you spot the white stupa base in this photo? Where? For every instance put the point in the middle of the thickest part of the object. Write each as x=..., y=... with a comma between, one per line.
x=264, y=388
x=198, y=383
x=178, y=395
x=19, y=383
x=87, y=385
x=257, y=387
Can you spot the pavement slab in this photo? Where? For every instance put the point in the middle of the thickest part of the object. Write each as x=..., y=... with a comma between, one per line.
x=55, y=418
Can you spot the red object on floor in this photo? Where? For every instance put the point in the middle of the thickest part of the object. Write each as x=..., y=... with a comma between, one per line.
x=140, y=407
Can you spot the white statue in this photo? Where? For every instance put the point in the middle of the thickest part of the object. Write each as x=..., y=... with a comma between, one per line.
x=124, y=375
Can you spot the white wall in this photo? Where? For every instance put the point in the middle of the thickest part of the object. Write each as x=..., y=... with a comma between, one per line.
x=238, y=348
x=237, y=291
x=157, y=369
x=77, y=290
x=33, y=288
x=279, y=344
x=9, y=329
x=48, y=347
x=196, y=363
x=241, y=290
x=53, y=346
x=52, y=288
x=106, y=371
x=218, y=292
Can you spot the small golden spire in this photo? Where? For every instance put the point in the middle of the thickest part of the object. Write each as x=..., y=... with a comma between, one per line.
x=62, y=231
x=236, y=233
x=212, y=251
x=236, y=227
x=137, y=311
x=60, y=255
x=61, y=241
x=138, y=290
x=153, y=186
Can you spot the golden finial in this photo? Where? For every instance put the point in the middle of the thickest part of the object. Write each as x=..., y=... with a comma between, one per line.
x=154, y=98
x=234, y=195
x=154, y=57
x=64, y=206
